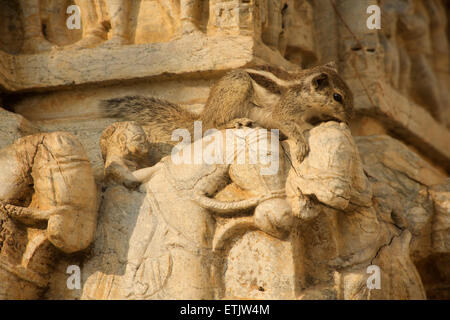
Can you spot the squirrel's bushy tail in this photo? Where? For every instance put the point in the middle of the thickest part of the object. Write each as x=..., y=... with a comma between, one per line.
x=159, y=118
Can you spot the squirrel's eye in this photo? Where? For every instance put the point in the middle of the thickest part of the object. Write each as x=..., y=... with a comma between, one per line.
x=337, y=97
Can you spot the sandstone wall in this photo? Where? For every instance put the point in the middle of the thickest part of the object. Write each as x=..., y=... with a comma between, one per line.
x=53, y=79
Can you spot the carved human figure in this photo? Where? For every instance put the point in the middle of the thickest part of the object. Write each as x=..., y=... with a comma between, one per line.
x=188, y=16
x=274, y=22
x=439, y=43
x=440, y=47
x=388, y=38
x=298, y=44
x=94, y=23
x=184, y=13
x=333, y=176
x=415, y=34
x=125, y=149
x=327, y=199
x=34, y=39
x=338, y=230
x=48, y=205
x=178, y=218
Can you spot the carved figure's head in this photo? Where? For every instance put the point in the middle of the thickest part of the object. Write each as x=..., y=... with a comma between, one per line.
x=125, y=139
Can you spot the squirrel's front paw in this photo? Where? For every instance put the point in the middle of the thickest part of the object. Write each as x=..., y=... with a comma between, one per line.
x=131, y=184
x=240, y=123
x=303, y=150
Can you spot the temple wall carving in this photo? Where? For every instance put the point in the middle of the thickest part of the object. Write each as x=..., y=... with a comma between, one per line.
x=303, y=219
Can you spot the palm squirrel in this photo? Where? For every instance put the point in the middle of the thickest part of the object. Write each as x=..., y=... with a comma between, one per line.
x=271, y=97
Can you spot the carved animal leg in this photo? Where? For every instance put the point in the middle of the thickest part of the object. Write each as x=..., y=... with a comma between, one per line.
x=27, y=216
x=188, y=16
x=34, y=40
x=119, y=16
x=39, y=254
x=271, y=34
x=93, y=31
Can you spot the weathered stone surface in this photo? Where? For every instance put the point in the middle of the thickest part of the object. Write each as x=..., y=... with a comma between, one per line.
x=400, y=182
x=139, y=245
x=195, y=55
x=406, y=119
x=13, y=127
x=410, y=194
x=441, y=221
x=118, y=217
x=372, y=197
x=48, y=206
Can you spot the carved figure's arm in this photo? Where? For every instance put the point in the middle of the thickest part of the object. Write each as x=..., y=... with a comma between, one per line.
x=118, y=172
x=145, y=174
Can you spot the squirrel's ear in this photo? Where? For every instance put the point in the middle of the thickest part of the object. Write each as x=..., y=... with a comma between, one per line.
x=331, y=65
x=320, y=81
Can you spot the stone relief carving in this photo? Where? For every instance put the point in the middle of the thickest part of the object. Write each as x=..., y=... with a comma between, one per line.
x=336, y=177
x=48, y=206
x=98, y=17
x=189, y=16
x=274, y=24
x=229, y=17
x=285, y=26
x=108, y=22
x=125, y=149
x=309, y=231
x=196, y=214
x=177, y=220
x=416, y=51
x=34, y=40
x=325, y=244
x=300, y=34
